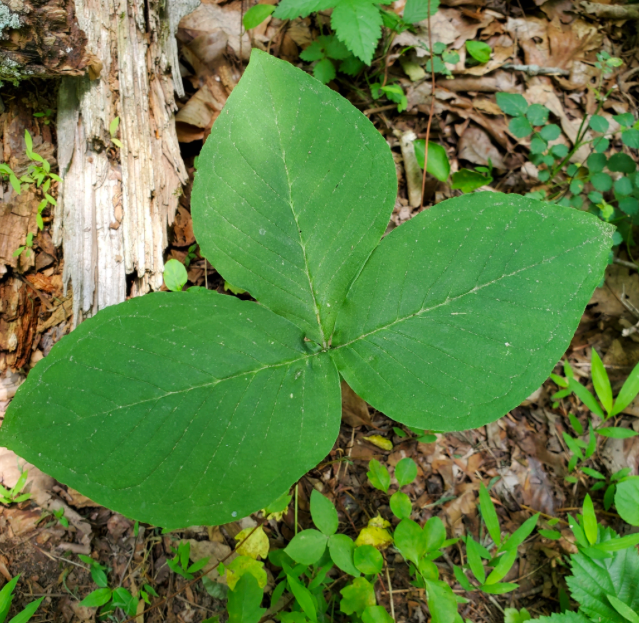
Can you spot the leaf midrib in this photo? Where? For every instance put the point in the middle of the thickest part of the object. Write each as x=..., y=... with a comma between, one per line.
x=297, y=226
x=449, y=300
x=193, y=387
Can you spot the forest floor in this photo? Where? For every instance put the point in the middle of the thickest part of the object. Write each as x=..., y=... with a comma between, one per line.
x=522, y=456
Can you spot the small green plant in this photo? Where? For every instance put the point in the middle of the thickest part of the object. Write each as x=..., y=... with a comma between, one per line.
x=393, y=92
x=191, y=255
x=192, y=391
x=440, y=59
x=15, y=495
x=605, y=573
x=479, y=51
x=358, y=23
x=438, y=166
x=331, y=54
x=26, y=247
x=45, y=116
x=59, y=515
x=175, y=275
x=605, y=184
x=180, y=562
x=256, y=15
x=6, y=599
x=108, y=599
x=113, y=130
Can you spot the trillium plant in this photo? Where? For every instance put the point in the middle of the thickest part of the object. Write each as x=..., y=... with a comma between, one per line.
x=183, y=408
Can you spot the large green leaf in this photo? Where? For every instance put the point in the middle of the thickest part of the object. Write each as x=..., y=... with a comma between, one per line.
x=592, y=580
x=296, y=193
x=463, y=311
x=178, y=408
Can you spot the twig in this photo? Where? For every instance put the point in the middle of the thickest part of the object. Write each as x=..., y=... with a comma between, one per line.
x=432, y=103
x=626, y=263
x=371, y=111
x=536, y=70
x=390, y=594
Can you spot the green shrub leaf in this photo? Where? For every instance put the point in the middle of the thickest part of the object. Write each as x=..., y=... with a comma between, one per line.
x=290, y=9
x=405, y=471
x=358, y=23
x=357, y=596
x=97, y=598
x=512, y=104
x=292, y=221
x=413, y=355
x=213, y=395
x=479, y=50
x=600, y=381
x=376, y=614
x=341, y=549
x=621, y=163
x=438, y=163
x=400, y=505
x=175, y=275
x=368, y=560
x=323, y=513
x=307, y=547
x=627, y=500
x=467, y=180
x=598, y=123
x=489, y=514
x=256, y=15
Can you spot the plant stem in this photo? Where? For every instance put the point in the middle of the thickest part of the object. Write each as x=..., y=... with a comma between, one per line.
x=432, y=103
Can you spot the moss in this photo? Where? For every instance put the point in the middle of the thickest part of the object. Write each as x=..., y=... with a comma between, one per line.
x=11, y=71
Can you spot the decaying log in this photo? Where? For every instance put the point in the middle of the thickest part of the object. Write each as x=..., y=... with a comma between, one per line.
x=41, y=38
x=115, y=205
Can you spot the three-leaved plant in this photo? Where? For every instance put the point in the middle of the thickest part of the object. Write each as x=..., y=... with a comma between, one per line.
x=191, y=408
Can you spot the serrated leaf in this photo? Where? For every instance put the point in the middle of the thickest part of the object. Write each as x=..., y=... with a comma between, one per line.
x=432, y=307
x=358, y=24
x=593, y=580
x=293, y=222
x=324, y=70
x=206, y=385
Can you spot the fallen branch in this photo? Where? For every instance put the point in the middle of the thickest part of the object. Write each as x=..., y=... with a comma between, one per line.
x=611, y=11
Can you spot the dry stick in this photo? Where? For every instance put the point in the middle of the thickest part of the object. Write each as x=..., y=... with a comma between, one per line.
x=390, y=594
x=194, y=580
x=432, y=104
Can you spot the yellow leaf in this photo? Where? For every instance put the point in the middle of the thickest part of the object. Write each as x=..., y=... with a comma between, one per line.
x=256, y=546
x=375, y=534
x=241, y=565
x=380, y=442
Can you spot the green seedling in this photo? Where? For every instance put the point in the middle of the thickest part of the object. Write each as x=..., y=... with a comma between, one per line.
x=191, y=255
x=175, y=275
x=26, y=247
x=6, y=599
x=604, y=406
x=256, y=15
x=45, y=116
x=180, y=562
x=59, y=515
x=194, y=390
x=113, y=130
x=479, y=51
x=393, y=92
x=440, y=59
x=15, y=495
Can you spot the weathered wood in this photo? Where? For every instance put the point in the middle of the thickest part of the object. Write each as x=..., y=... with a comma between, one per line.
x=41, y=38
x=115, y=205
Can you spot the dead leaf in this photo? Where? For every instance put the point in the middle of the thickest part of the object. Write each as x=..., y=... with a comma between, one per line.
x=476, y=147
x=354, y=409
